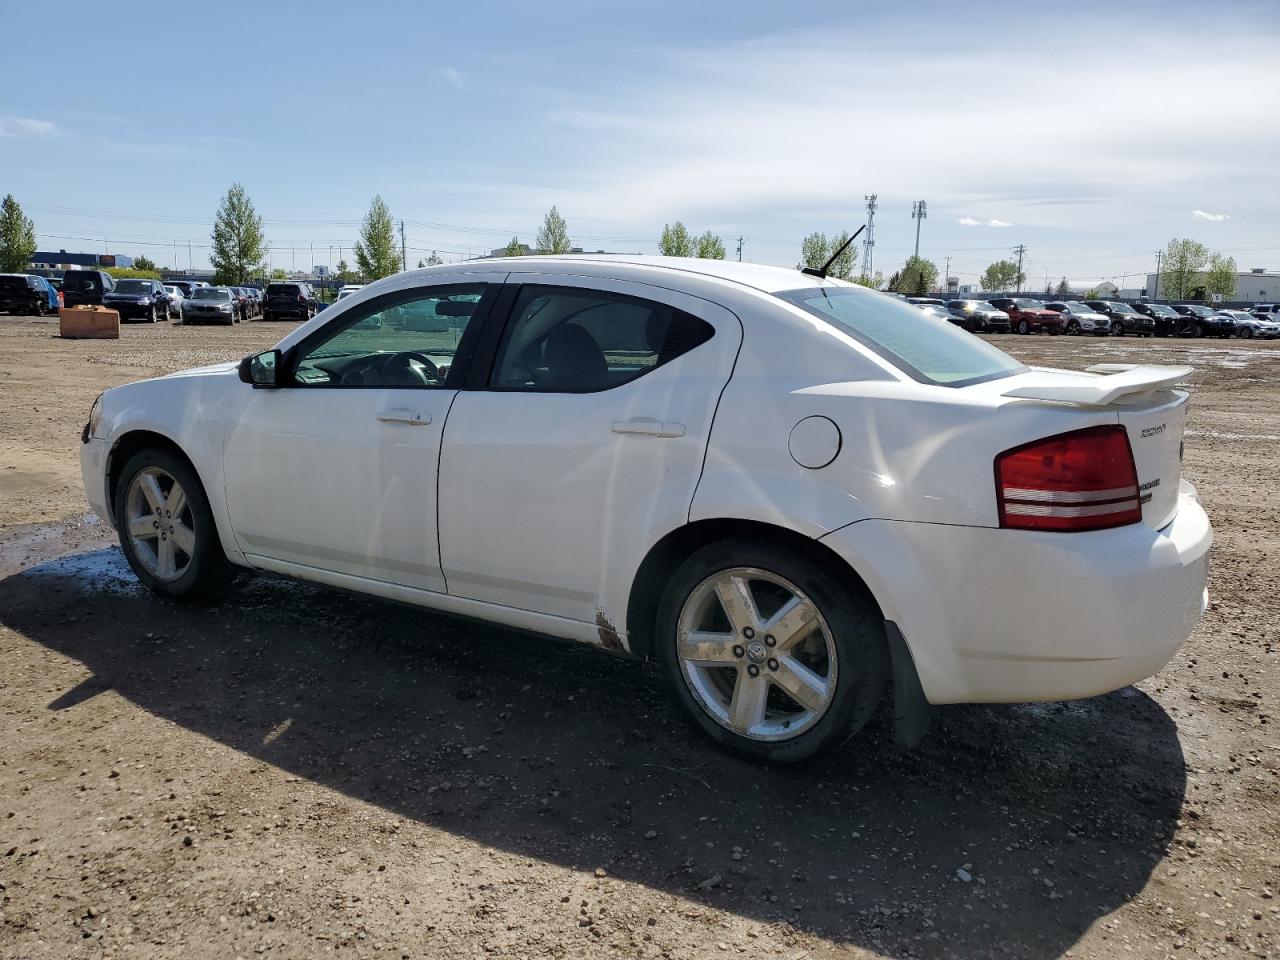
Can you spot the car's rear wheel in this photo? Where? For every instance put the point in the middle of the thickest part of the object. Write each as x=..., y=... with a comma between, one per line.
x=770, y=655
x=166, y=528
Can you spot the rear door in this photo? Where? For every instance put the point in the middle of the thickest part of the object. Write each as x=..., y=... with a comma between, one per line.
x=583, y=444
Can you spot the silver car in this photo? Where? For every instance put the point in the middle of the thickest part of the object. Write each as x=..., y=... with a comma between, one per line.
x=210, y=305
x=1250, y=325
x=1079, y=318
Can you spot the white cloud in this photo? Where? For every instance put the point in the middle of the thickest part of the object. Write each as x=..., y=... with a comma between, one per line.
x=26, y=127
x=453, y=76
x=1213, y=217
x=993, y=222
x=998, y=223
x=969, y=222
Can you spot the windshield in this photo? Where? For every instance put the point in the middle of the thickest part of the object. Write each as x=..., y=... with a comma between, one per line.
x=1122, y=308
x=925, y=347
x=133, y=286
x=1075, y=306
x=211, y=293
x=1028, y=304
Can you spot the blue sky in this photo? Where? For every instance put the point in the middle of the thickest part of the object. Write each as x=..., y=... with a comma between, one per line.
x=1092, y=133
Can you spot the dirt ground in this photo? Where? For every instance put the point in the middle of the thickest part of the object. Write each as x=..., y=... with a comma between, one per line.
x=293, y=771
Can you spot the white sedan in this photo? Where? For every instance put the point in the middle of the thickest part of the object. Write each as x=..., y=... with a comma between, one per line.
x=790, y=491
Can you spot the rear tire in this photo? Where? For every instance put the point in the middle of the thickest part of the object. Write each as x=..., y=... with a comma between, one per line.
x=169, y=539
x=839, y=661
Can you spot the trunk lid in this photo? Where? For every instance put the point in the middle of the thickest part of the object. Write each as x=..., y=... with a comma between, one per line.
x=1145, y=403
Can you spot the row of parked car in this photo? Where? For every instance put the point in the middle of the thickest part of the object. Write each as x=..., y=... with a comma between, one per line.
x=1104, y=318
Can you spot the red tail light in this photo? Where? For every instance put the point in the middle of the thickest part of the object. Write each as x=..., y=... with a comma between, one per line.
x=301, y=298
x=1083, y=480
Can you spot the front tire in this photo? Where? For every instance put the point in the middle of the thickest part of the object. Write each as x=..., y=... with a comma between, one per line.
x=166, y=528
x=1023, y=327
x=770, y=655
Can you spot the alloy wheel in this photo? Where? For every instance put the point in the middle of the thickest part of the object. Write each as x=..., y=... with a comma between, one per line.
x=160, y=524
x=757, y=654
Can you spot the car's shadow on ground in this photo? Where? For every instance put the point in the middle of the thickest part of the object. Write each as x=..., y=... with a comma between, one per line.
x=1008, y=832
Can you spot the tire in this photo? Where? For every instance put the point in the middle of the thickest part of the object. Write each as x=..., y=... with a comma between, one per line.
x=206, y=569
x=1073, y=328
x=1117, y=328
x=1023, y=327
x=848, y=642
x=1247, y=333
x=151, y=314
x=266, y=317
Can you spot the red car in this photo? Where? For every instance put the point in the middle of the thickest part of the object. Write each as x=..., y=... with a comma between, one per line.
x=1029, y=316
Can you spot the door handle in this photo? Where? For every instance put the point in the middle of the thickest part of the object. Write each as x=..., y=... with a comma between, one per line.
x=646, y=427
x=404, y=415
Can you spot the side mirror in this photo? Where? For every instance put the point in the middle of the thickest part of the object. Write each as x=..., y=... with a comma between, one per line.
x=262, y=369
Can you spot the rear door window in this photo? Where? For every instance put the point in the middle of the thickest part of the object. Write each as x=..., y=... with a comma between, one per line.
x=921, y=345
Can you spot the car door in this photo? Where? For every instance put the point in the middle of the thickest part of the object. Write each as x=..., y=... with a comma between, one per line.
x=583, y=444
x=336, y=471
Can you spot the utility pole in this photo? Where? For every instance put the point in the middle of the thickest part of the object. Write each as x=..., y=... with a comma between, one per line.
x=869, y=241
x=404, y=261
x=946, y=276
x=1156, y=293
x=190, y=268
x=919, y=210
x=739, y=249
x=1020, y=250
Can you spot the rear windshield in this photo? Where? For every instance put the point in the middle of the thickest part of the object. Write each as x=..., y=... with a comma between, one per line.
x=289, y=288
x=133, y=286
x=13, y=283
x=921, y=345
x=211, y=293
x=81, y=281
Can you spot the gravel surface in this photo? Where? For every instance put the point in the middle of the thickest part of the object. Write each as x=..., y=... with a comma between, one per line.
x=293, y=771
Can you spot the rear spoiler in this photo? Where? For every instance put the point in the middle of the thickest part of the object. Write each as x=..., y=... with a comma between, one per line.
x=1114, y=381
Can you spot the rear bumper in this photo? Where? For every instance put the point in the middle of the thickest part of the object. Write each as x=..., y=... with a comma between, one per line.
x=1004, y=616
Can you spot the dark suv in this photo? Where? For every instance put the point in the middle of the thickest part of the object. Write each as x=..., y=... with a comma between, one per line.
x=1124, y=319
x=1168, y=320
x=85, y=288
x=1202, y=321
x=289, y=299
x=23, y=294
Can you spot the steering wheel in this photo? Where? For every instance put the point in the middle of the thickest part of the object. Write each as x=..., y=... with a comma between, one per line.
x=399, y=365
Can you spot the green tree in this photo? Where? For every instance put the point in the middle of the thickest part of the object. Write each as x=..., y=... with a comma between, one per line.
x=843, y=265
x=917, y=277
x=1220, y=277
x=238, y=242
x=875, y=283
x=515, y=248
x=554, y=235
x=145, y=263
x=1063, y=288
x=377, y=254
x=1182, y=260
x=813, y=251
x=709, y=247
x=280, y=274
x=17, y=237
x=893, y=281
x=434, y=260
x=1002, y=275
x=675, y=241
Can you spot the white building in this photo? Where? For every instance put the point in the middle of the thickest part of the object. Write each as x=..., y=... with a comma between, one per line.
x=1253, y=286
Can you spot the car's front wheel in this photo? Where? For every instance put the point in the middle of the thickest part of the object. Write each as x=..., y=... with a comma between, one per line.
x=1024, y=327
x=166, y=528
x=772, y=656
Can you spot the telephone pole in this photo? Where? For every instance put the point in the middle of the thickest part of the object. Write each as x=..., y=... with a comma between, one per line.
x=404, y=262
x=946, y=276
x=1156, y=293
x=869, y=242
x=1020, y=250
x=739, y=249
x=919, y=211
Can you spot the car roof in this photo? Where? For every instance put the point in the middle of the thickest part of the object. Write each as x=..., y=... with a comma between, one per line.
x=768, y=279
